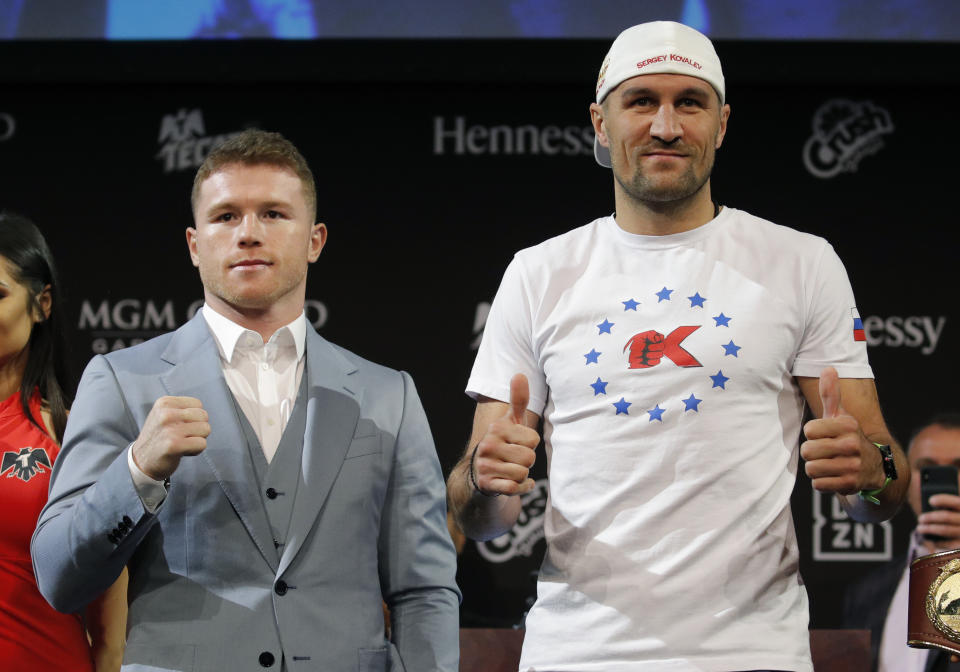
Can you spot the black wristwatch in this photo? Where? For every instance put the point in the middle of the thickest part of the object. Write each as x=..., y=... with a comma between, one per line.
x=889, y=466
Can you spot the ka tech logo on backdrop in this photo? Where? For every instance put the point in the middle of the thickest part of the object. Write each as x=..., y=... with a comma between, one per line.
x=184, y=142
x=844, y=133
x=8, y=126
x=838, y=538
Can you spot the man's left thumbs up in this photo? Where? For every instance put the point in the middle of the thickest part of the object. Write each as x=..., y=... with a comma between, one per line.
x=839, y=458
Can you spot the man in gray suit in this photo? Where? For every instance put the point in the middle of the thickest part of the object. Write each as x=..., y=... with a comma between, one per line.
x=267, y=489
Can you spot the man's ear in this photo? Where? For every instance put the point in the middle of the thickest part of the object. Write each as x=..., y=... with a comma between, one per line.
x=596, y=119
x=192, y=245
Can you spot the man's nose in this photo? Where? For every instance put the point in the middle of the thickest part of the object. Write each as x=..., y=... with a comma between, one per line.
x=666, y=124
x=250, y=230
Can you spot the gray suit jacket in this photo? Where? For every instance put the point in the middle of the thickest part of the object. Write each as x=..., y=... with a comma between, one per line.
x=208, y=589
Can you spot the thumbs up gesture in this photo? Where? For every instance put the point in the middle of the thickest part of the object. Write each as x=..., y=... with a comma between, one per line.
x=839, y=458
x=502, y=460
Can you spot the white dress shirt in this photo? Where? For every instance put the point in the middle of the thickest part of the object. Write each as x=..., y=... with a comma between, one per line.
x=894, y=654
x=263, y=377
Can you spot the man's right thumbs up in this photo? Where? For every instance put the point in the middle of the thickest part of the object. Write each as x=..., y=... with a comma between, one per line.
x=502, y=459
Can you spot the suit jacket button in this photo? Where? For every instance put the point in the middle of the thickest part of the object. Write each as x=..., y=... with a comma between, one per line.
x=271, y=493
x=266, y=659
x=281, y=587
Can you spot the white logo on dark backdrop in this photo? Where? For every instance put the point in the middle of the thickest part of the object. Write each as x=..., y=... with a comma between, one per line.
x=836, y=537
x=184, y=142
x=479, y=322
x=913, y=331
x=455, y=136
x=844, y=132
x=524, y=534
x=8, y=126
x=114, y=325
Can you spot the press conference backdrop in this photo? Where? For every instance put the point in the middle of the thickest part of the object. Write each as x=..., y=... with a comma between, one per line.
x=436, y=161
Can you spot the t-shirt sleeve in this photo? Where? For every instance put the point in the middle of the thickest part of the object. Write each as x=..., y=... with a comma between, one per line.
x=507, y=345
x=830, y=336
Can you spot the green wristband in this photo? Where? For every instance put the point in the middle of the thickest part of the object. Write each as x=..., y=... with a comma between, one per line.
x=870, y=495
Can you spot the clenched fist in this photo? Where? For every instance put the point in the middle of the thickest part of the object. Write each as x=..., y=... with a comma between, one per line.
x=646, y=349
x=502, y=460
x=176, y=427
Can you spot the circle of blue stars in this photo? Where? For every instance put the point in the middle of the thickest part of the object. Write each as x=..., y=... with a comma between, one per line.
x=691, y=403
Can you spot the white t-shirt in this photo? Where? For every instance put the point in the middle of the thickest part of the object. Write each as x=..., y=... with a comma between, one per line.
x=670, y=542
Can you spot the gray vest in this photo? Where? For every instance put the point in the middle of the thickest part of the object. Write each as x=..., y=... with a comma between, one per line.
x=277, y=480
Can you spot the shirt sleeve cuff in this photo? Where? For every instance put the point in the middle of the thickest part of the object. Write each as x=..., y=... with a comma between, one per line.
x=152, y=492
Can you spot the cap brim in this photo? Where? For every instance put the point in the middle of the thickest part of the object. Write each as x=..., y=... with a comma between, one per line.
x=601, y=153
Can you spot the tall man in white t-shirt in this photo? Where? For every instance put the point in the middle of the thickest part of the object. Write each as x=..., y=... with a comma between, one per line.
x=668, y=350
x=269, y=490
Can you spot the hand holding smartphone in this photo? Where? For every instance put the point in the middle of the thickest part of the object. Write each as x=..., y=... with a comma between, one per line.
x=936, y=480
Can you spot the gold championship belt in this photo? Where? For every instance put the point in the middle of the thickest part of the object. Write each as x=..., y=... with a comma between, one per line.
x=933, y=616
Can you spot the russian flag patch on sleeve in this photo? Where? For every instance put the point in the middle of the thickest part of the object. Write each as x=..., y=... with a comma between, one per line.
x=858, y=334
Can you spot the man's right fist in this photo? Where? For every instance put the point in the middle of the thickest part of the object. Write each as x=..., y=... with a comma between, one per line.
x=502, y=459
x=175, y=427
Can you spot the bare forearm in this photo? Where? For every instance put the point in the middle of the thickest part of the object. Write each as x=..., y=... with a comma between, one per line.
x=479, y=516
x=892, y=496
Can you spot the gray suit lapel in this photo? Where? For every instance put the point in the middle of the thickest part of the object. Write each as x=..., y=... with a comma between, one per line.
x=197, y=373
x=333, y=408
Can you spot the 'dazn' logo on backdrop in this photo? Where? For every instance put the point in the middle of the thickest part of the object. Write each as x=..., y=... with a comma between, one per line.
x=184, y=142
x=844, y=133
x=838, y=538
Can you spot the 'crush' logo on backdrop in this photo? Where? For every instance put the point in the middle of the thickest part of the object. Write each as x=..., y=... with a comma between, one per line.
x=844, y=132
x=184, y=142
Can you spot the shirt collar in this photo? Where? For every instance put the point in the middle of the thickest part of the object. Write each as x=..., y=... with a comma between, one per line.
x=227, y=333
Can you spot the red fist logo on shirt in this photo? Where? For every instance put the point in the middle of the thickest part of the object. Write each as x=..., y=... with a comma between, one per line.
x=648, y=347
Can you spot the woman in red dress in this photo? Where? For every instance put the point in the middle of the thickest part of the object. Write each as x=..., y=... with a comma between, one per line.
x=33, y=413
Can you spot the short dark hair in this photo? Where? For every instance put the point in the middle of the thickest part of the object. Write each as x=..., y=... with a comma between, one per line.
x=947, y=420
x=31, y=264
x=255, y=147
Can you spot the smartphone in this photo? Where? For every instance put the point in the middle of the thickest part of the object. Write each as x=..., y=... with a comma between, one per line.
x=936, y=481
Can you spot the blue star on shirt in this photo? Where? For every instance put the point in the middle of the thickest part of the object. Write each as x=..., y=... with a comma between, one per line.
x=599, y=387
x=664, y=294
x=719, y=380
x=730, y=349
x=622, y=406
x=656, y=413
x=593, y=356
x=630, y=305
x=604, y=326
x=692, y=403
x=696, y=300
x=722, y=320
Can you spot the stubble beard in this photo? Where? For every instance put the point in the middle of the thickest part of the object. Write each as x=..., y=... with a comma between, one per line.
x=657, y=193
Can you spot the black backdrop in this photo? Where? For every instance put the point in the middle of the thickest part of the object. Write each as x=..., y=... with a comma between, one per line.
x=436, y=160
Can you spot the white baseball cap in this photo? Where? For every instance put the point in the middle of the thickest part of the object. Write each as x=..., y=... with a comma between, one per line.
x=654, y=48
